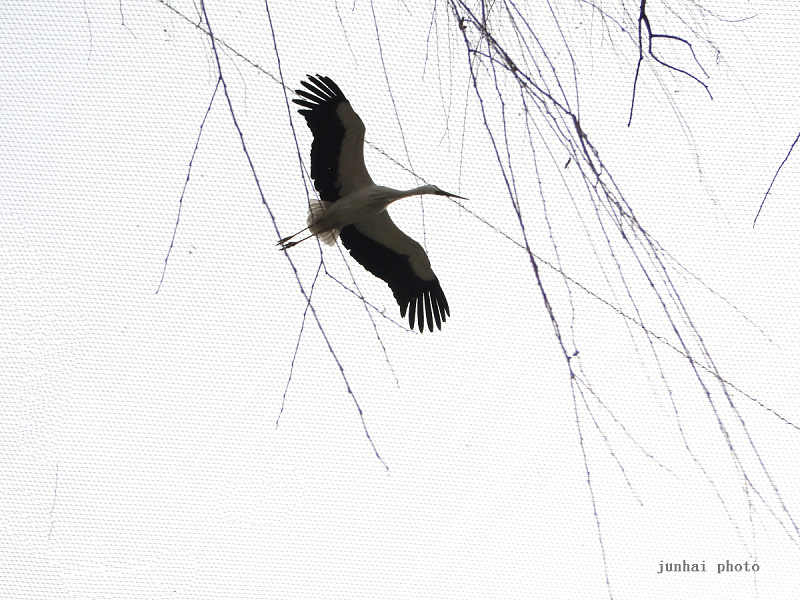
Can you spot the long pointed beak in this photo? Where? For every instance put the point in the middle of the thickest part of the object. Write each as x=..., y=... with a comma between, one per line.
x=448, y=194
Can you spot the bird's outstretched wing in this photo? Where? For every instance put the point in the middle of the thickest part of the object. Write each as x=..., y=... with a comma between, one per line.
x=386, y=252
x=337, y=153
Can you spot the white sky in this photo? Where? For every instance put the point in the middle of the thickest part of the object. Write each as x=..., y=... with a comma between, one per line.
x=140, y=453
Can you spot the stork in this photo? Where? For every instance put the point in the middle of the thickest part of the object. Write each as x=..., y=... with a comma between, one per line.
x=352, y=208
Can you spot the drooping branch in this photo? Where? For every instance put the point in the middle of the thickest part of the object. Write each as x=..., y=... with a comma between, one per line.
x=644, y=19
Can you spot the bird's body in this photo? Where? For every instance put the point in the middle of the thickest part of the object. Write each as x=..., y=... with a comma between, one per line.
x=352, y=207
x=326, y=219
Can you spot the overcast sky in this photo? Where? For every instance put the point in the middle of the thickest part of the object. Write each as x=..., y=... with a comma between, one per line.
x=141, y=457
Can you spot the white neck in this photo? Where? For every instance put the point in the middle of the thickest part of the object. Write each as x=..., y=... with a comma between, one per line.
x=418, y=191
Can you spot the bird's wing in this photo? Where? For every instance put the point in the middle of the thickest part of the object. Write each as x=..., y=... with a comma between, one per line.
x=386, y=252
x=337, y=152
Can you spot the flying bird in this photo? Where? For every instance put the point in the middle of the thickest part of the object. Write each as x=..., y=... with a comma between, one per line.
x=352, y=207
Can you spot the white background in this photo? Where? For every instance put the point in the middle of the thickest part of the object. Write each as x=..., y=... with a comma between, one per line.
x=140, y=457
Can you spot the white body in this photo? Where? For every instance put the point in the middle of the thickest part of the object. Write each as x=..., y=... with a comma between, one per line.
x=326, y=219
x=366, y=209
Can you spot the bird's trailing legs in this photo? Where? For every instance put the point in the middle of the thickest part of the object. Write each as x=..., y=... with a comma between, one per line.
x=285, y=244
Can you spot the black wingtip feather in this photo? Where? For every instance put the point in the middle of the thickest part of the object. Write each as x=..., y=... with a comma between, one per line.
x=305, y=103
x=436, y=310
x=320, y=82
x=428, y=311
x=312, y=97
x=318, y=89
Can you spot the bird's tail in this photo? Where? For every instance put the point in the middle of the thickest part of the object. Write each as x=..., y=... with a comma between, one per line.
x=318, y=222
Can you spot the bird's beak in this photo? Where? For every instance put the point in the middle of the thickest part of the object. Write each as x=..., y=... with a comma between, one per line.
x=449, y=195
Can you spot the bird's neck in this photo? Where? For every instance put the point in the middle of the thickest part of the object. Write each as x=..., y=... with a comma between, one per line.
x=417, y=191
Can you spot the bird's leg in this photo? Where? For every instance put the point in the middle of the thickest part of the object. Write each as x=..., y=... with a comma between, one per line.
x=286, y=239
x=286, y=246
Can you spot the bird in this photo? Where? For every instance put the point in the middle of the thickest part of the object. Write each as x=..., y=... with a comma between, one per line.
x=352, y=208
